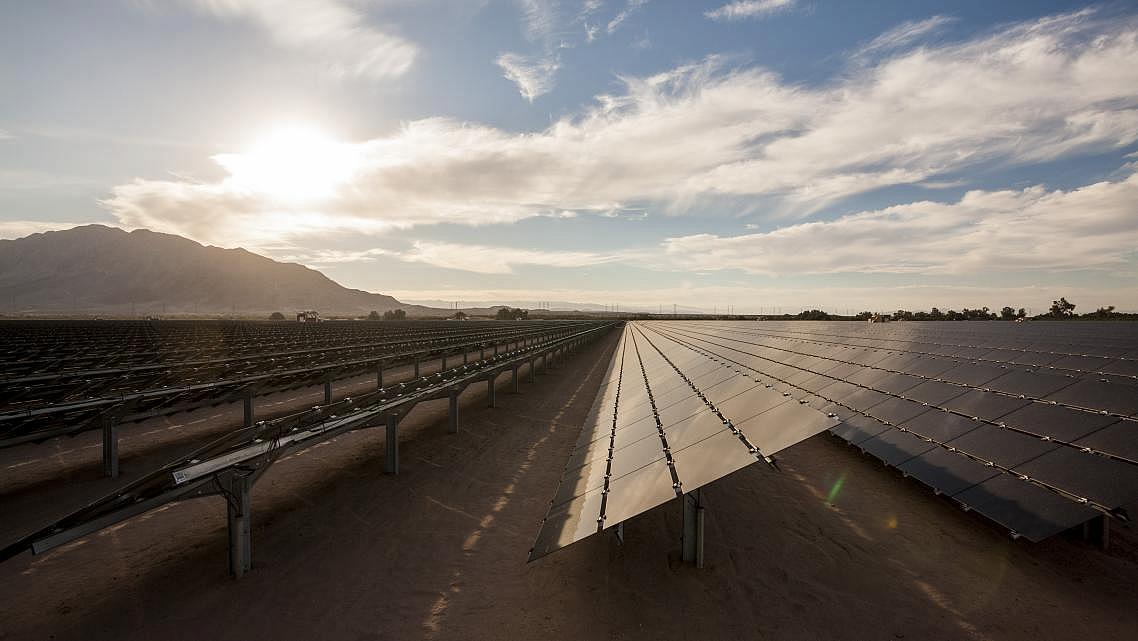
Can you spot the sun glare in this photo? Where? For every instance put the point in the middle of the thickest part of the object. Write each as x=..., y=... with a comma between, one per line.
x=293, y=164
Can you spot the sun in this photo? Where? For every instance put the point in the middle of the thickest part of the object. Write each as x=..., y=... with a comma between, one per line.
x=294, y=164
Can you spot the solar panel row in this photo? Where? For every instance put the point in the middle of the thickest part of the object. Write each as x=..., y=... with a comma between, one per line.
x=667, y=421
x=1037, y=450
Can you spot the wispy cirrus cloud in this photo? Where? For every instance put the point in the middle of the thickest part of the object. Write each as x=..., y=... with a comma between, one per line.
x=1033, y=92
x=334, y=31
x=534, y=75
x=630, y=7
x=749, y=9
x=904, y=34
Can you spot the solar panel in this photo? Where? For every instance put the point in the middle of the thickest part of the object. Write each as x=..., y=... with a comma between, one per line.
x=1117, y=439
x=660, y=445
x=1002, y=499
x=947, y=472
x=960, y=407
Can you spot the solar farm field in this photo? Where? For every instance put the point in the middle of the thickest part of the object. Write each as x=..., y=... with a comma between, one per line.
x=661, y=479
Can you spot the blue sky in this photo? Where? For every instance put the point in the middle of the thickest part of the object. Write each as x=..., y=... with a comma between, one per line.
x=764, y=154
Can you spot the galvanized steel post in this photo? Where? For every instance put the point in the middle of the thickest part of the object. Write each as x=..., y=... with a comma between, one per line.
x=391, y=445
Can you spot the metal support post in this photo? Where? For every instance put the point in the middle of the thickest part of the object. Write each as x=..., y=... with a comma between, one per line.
x=240, y=523
x=465, y=356
x=391, y=445
x=111, y=447
x=328, y=391
x=444, y=366
x=515, y=380
x=495, y=349
x=416, y=368
x=379, y=376
x=490, y=401
x=248, y=403
x=452, y=395
x=481, y=352
x=692, y=531
x=1097, y=530
x=533, y=370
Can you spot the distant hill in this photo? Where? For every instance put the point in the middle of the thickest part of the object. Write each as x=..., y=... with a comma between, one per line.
x=106, y=270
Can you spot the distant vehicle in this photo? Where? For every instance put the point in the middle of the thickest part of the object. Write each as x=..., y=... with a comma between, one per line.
x=308, y=316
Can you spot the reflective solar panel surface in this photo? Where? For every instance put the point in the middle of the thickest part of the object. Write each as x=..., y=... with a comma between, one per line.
x=1034, y=425
x=670, y=417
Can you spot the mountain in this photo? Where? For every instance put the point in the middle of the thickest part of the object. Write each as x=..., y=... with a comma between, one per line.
x=106, y=270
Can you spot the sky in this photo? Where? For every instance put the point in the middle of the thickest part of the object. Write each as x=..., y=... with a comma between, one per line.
x=752, y=155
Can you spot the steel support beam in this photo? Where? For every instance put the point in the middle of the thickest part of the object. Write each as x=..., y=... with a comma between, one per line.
x=379, y=377
x=533, y=370
x=515, y=380
x=240, y=523
x=452, y=425
x=693, y=529
x=490, y=400
x=328, y=391
x=416, y=368
x=391, y=445
x=111, y=447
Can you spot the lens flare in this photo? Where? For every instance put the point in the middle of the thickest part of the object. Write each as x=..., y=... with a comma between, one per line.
x=837, y=488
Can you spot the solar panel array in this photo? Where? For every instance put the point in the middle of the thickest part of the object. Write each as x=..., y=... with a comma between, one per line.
x=668, y=419
x=62, y=377
x=1033, y=425
x=251, y=450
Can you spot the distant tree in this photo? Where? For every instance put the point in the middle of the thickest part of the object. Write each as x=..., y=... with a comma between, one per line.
x=936, y=314
x=373, y=316
x=276, y=316
x=864, y=316
x=1007, y=313
x=511, y=313
x=1102, y=312
x=813, y=314
x=902, y=314
x=394, y=314
x=1062, y=308
x=459, y=316
x=1021, y=313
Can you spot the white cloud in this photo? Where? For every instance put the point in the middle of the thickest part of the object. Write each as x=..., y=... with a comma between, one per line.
x=4, y=134
x=749, y=9
x=1033, y=92
x=630, y=7
x=335, y=31
x=904, y=34
x=497, y=260
x=533, y=75
x=1093, y=227
x=19, y=228
x=539, y=18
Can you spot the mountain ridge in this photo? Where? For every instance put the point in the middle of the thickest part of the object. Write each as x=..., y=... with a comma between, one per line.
x=108, y=270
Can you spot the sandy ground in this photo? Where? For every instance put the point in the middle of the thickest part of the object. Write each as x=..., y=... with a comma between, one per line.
x=833, y=547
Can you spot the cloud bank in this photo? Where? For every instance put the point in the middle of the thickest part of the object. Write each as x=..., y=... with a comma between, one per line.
x=1034, y=92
